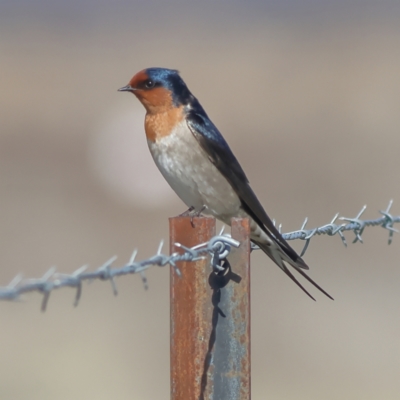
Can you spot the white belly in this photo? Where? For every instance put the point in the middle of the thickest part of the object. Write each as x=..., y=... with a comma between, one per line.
x=193, y=177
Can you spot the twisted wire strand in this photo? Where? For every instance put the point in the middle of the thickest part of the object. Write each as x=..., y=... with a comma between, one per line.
x=356, y=224
x=217, y=248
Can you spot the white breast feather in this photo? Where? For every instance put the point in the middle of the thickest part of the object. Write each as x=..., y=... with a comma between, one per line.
x=190, y=173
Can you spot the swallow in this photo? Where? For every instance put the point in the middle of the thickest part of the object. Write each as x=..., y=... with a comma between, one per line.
x=200, y=167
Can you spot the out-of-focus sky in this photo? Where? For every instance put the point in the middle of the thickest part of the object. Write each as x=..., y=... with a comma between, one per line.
x=306, y=93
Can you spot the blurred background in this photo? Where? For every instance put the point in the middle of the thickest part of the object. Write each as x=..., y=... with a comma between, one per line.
x=306, y=93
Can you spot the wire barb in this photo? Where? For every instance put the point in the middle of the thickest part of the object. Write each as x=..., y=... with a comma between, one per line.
x=356, y=224
x=390, y=220
x=217, y=248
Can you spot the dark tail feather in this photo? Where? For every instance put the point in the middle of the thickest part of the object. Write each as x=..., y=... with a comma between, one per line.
x=290, y=275
x=301, y=272
x=298, y=265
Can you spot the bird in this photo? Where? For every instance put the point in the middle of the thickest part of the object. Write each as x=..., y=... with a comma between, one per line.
x=198, y=164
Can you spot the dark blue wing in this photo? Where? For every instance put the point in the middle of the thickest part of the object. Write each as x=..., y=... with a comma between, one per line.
x=219, y=153
x=222, y=157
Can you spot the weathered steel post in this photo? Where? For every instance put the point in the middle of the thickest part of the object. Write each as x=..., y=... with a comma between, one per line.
x=210, y=317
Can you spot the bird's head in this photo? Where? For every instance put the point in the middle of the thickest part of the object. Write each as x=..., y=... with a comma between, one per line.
x=159, y=89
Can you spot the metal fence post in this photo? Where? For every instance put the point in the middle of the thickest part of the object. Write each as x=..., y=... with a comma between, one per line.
x=210, y=318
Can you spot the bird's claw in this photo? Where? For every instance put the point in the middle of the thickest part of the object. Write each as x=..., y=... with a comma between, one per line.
x=188, y=212
x=192, y=213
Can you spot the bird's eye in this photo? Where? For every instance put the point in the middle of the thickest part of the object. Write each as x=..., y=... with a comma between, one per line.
x=149, y=83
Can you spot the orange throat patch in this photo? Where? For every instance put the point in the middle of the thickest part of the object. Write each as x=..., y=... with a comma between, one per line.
x=162, y=124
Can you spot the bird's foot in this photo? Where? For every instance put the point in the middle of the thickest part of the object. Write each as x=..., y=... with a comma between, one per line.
x=188, y=212
x=192, y=213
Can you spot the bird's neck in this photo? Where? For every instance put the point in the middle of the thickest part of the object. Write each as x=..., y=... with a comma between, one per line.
x=163, y=122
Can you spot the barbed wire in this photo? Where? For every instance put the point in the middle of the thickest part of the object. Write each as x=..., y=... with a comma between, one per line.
x=218, y=248
x=355, y=224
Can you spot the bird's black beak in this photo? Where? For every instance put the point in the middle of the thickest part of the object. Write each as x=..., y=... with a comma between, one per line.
x=127, y=88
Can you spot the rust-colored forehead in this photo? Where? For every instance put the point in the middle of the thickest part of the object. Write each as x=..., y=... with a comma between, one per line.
x=140, y=77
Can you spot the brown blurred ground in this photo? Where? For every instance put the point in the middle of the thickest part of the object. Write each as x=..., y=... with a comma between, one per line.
x=312, y=113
